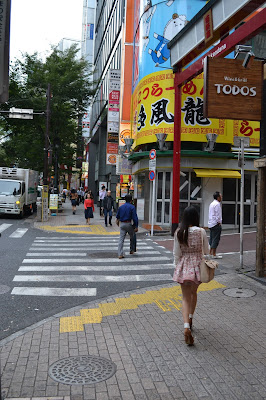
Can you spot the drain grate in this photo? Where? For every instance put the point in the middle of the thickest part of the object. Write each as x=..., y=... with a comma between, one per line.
x=82, y=370
x=4, y=289
x=239, y=292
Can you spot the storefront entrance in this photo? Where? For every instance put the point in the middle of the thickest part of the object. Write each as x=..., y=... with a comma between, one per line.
x=231, y=200
x=163, y=198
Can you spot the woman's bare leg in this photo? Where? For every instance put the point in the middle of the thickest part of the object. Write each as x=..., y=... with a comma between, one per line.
x=194, y=298
x=186, y=301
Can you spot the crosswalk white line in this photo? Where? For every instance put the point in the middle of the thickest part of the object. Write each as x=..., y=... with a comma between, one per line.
x=18, y=233
x=86, y=245
x=92, y=278
x=41, y=291
x=66, y=254
x=56, y=254
x=89, y=268
x=3, y=227
x=92, y=260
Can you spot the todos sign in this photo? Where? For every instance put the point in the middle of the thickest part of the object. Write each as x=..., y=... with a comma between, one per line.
x=232, y=91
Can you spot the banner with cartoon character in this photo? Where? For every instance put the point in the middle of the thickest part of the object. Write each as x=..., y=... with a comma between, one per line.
x=156, y=22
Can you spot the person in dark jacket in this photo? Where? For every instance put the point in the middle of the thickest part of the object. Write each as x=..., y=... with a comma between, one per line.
x=124, y=217
x=108, y=206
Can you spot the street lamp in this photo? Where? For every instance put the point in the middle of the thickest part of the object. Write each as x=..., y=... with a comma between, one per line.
x=211, y=141
x=161, y=138
x=126, y=150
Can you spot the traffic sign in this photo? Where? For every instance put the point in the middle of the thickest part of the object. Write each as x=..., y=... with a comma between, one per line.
x=151, y=175
x=152, y=165
x=152, y=154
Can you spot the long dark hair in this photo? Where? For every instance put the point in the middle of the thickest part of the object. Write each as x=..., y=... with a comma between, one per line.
x=190, y=218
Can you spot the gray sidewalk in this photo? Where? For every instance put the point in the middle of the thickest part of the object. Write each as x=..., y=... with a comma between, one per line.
x=131, y=346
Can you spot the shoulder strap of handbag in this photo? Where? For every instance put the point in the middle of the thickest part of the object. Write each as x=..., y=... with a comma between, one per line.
x=202, y=242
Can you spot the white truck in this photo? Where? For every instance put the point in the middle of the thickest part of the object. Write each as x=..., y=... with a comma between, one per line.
x=18, y=191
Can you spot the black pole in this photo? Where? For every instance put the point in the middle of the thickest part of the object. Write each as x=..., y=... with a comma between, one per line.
x=46, y=145
x=263, y=122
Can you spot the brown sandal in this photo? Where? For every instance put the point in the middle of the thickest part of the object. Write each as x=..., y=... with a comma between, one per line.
x=188, y=337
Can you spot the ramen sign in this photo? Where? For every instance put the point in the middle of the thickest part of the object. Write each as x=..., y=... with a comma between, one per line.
x=232, y=91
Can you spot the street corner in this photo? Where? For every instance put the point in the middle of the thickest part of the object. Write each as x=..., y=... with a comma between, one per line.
x=166, y=299
x=79, y=229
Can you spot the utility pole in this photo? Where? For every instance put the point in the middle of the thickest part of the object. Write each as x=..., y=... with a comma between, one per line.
x=241, y=142
x=45, y=197
x=46, y=141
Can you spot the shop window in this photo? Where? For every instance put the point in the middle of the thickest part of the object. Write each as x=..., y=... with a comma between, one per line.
x=184, y=184
x=167, y=185
x=159, y=212
x=195, y=187
x=228, y=211
x=229, y=189
x=182, y=206
x=160, y=185
x=167, y=213
x=140, y=186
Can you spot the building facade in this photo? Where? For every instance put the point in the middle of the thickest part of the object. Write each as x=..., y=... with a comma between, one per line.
x=131, y=39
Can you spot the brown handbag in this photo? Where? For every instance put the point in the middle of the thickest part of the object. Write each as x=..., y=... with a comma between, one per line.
x=207, y=267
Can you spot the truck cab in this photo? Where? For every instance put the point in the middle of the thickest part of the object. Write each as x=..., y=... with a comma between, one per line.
x=18, y=190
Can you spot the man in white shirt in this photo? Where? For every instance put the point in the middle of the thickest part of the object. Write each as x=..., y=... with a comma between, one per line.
x=102, y=194
x=215, y=223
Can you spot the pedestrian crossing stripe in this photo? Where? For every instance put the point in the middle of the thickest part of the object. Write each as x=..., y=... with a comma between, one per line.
x=3, y=227
x=167, y=299
x=18, y=233
x=90, y=229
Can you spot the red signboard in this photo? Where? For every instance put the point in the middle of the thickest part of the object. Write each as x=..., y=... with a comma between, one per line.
x=114, y=96
x=208, y=26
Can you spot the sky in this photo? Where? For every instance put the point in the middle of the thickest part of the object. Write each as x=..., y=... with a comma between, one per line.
x=37, y=24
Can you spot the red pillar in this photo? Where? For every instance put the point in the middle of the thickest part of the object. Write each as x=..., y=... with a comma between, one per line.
x=176, y=157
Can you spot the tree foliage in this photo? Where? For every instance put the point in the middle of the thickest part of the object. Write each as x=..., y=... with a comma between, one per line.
x=71, y=88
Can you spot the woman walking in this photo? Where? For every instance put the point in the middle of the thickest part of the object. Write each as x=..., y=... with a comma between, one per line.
x=73, y=198
x=89, y=208
x=190, y=242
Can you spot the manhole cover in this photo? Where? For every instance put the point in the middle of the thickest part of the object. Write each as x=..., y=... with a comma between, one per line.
x=4, y=289
x=82, y=370
x=239, y=292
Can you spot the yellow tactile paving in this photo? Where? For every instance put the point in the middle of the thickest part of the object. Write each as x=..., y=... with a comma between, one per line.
x=167, y=299
x=90, y=230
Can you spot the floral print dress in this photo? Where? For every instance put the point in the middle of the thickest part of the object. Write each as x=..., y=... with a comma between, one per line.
x=187, y=259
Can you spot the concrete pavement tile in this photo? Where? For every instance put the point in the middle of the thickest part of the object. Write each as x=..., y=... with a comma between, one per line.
x=137, y=388
x=113, y=390
x=127, y=395
x=133, y=377
x=89, y=393
x=152, y=394
x=161, y=387
x=102, y=396
x=76, y=390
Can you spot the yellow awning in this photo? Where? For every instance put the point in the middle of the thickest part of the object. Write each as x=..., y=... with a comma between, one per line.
x=216, y=173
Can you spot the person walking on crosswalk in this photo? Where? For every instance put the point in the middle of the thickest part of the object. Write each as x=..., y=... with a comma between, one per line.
x=89, y=208
x=126, y=213
x=74, y=198
x=108, y=206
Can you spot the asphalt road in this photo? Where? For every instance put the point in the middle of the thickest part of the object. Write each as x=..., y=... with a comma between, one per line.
x=20, y=311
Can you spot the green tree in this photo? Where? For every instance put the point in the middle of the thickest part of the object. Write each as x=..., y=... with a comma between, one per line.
x=71, y=89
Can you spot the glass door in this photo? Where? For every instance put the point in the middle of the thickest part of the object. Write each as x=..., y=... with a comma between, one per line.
x=163, y=198
x=231, y=200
